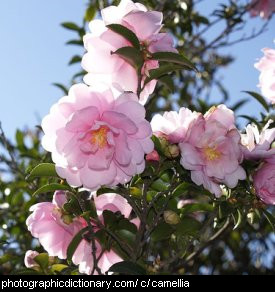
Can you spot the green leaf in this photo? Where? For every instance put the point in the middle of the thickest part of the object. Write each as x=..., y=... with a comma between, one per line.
x=239, y=219
x=71, y=26
x=130, y=55
x=125, y=224
x=75, y=59
x=6, y=258
x=90, y=13
x=74, y=243
x=161, y=232
x=42, y=260
x=127, y=268
x=75, y=42
x=62, y=87
x=259, y=98
x=51, y=188
x=197, y=207
x=42, y=170
x=181, y=189
x=173, y=58
x=104, y=190
x=19, y=136
x=126, y=33
x=127, y=236
x=168, y=82
x=157, y=144
x=159, y=185
x=109, y=218
x=188, y=226
x=58, y=267
x=161, y=71
x=269, y=217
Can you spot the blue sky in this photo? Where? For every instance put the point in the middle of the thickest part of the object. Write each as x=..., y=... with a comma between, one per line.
x=33, y=56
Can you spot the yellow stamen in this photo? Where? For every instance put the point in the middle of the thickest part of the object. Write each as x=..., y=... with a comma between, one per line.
x=211, y=153
x=99, y=137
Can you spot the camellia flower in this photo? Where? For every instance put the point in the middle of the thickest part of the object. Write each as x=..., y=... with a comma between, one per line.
x=47, y=224
x=264, y=8
x=257, y=145
x=212, y=151
x=29, y=259
x=266, y=66
x=55, y=232
x=83, y=256
x=174, y=126
x=110, y=69
x=95, y=139
x=264, y=183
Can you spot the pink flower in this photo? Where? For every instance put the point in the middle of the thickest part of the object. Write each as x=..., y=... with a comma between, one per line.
x=257, y=145
x=83, y=256
x=174, y=126
x=266, y=66
x=112, y=70
x=264, y=183
x=212, y=151
x=264, y=8
x=46, y=224
x=153, y=156
x=95, y=139
x=29, y=259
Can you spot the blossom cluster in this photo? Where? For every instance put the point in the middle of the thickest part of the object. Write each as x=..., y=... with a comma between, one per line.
x=98, y=136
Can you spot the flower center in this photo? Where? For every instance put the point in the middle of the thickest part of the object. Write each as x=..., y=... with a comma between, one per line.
x=211, y=153
x=99, y=137
x=145, y=52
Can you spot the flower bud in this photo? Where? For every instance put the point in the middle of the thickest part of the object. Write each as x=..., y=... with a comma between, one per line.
x=171, y=217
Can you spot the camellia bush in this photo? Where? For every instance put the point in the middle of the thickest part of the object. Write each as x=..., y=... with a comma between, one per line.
x=136, y=170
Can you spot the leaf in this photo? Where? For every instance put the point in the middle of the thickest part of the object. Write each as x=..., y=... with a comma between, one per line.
x=239, y=104
x=173, y=58
x=5, y=258
x=19, y=136
x=42, y=260
x=58, y=267
x=127, y=268
x=157, y=144
x=159, y=185
x=168, y=82
x=42, y=170
x=75, y=59
x=130, y=55
x=259, y=98
x=62, y=87
x=271, y=220
x=104, y=190
x=126, y=33
x=162, y=232
x=90, y=13
x=109, y=218
x=188, y=226
x=127, y=236
x=181, y=189
x=74, y=243
x=71, y=26
x=239, y=220
x=197, y=207
x=75, y=42
x=51, y=188
x=161, y=71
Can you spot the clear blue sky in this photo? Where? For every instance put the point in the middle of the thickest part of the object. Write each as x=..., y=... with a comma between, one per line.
x=33, y=56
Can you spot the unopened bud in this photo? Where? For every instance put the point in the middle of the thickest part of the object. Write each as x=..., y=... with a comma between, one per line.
x=171, y=217
x=153, y=156
x=172, y=151
x=135, y=192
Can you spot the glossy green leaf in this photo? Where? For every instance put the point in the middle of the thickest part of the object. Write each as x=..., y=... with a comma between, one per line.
x=127, y=268
x=51, y=188
x=42, y=260
x=74, y=243
x=181, y=189
x=71, y=26
x=126, y=33
x=75, y=59
x=173, y=58
x=161, y=232
x=259, y=98
x=130, y=55
x=42, y=170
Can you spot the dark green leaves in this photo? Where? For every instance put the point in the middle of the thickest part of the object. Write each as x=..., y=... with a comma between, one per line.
x=43, y=169
x=70, y=26
x=74, y=243
x=188, y=226
x=259, y=98
x=127, y=268
x=75, y=59
x=162, y=231
x=42, y=260
x=51, y=188
x=173, y=58
x=126, y=33
x=130, y=55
